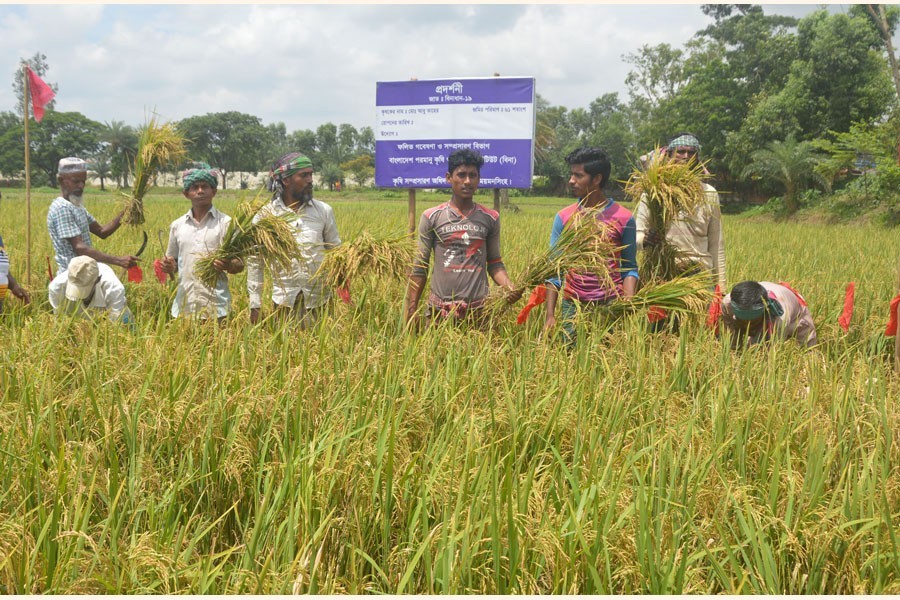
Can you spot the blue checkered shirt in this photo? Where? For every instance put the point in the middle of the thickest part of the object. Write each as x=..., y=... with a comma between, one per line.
x=64, y=221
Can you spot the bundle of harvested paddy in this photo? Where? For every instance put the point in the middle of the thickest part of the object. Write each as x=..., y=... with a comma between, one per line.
x=384, y=257
x=669, y=188
x=159, y=146
x=271, y=237
x=682, y=294
x=582, y=247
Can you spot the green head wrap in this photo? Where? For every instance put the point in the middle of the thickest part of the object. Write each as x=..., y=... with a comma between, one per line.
x=764, y=306
x=200, y=172
x=289, y=164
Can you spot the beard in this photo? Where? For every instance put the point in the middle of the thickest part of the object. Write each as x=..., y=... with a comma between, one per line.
x=76, y=199
x=303, y=196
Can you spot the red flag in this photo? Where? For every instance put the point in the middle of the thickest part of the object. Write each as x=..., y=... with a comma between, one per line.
x=538, y=296
x=847, y=313
x=157, y=270
x=715, y=309
x=892, y=320
x=655, y=313
x=41, y=94
x=135, y=274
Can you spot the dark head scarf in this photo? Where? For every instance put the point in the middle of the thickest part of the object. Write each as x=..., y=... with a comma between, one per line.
x=200, y=171
x=286, y=166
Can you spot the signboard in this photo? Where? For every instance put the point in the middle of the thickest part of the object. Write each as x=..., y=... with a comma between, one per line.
x=419, y=123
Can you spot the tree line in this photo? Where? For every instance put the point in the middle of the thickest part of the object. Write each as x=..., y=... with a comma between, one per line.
x=820, y=92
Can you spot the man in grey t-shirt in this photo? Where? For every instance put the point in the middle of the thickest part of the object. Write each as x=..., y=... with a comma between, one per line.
x=465, y=239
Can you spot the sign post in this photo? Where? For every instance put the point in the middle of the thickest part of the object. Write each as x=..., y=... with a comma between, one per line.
x=420, y=122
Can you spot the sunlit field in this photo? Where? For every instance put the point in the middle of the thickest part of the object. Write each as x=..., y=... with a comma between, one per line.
x=356, y=457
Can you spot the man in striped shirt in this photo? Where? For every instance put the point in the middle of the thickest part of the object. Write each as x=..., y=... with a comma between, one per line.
x=590, y=169
x=465, y=239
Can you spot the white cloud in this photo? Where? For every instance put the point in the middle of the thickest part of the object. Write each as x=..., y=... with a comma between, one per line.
x=305, y=64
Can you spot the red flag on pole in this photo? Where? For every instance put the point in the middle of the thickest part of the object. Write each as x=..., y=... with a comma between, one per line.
x=41, y=94
x=891, y=329
x=847, y=313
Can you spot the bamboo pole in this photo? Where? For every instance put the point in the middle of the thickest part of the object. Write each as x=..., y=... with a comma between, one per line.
x=27, y=179
x=412, y=210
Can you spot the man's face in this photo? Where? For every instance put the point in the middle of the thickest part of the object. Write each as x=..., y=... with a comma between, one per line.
x=464, y=181
x=682, y=154
x=72, y=184
x=200, y=193
x=582, y=183
x=298, y=186
x=750, y=327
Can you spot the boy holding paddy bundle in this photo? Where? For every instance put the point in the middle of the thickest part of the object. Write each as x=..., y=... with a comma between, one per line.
x=295, y=290
x=590, y=169
x=465, y=239
x=197, y=233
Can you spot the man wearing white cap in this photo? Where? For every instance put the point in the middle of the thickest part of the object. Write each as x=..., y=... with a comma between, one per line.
x=71, y=225
x=87, y=287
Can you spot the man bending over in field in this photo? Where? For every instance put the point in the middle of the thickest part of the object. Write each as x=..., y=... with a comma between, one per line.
x=759, y=311
x=465, y=239
x=71, y=225
x=200, y=231
x=86, y=288
x=294, y=291
x=590, y=169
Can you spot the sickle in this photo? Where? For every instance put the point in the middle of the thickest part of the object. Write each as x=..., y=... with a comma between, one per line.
x=143, y=244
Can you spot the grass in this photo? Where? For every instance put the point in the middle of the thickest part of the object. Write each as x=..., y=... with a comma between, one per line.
x=354, y=457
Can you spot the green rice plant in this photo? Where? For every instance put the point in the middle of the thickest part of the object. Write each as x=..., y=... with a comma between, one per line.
x=366, y=255
x=159, y=146
x=583, y=246
x=252, y=232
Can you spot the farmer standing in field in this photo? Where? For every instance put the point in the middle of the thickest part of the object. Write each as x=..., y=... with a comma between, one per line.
x=465, y=239
x=590, y=169
x=699, y=235
x=87, y=287
x=200, y=231
x=761, y=310
x=71, y=225
x=294, y=291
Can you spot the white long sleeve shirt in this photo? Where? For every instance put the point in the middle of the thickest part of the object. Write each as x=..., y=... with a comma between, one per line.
x=698, y=235
x=109, y=296
x=316, y=231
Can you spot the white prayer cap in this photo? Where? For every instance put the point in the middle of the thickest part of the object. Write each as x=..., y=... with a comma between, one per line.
x=83, y=273
x=71, y=164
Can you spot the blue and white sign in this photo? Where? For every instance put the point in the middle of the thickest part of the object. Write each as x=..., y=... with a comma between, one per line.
x=419, y=123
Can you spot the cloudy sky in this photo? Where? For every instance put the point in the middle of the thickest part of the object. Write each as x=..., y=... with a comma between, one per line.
x=306, y=64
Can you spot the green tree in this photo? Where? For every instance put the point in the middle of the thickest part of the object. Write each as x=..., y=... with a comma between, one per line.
x=230, y=141
x=38, y=64
x=101, y=167
x=362, y=168
x=885, y=19
x=121, y=141
x=793, y=165
x=60, y=134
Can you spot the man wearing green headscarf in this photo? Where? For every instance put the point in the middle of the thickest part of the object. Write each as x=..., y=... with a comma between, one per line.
x=294, y=291
x=757, y=311
x=198, y=232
